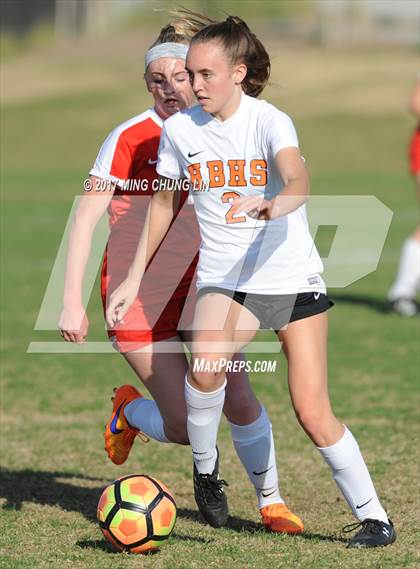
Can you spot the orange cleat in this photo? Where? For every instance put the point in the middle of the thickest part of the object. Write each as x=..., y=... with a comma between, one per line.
x=278, y=518
x=119, y=436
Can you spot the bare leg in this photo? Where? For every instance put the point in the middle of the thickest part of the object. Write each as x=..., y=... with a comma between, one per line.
x=225, y=328
x=222, y=327
x=215, y=340
x=164, y=376
x=305, y=344
x=305, y=347
x=241, y=405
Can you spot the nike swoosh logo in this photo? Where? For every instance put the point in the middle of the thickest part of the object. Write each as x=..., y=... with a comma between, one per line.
x=113, y=426
x=190, y=155
x=317, y=295
x=150, y=161
x=199, y=452
x=262, y=472
x=267, y=495
x=365, y=504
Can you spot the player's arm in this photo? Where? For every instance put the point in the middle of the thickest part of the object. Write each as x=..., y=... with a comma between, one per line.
x=291, y=168
x=159, y=216
x=73, y=323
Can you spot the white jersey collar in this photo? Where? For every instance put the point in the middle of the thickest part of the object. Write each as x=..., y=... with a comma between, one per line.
x=233, y=118
x=155, y=117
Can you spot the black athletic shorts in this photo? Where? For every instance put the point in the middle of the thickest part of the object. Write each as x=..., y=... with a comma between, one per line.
x=276, y=310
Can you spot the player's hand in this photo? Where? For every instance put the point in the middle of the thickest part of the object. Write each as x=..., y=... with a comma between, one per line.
x=120, y=301
x=74, y=324
x=254, y=206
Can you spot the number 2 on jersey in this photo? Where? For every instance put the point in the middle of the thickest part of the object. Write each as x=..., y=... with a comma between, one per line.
x=230, y=215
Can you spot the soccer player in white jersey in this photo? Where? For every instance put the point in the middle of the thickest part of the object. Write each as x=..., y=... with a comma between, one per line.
x=258, y=265
x=130, y=153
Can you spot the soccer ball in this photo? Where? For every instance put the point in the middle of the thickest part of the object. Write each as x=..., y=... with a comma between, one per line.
x=136, y=513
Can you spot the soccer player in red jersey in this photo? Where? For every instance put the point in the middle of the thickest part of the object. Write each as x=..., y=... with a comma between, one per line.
x=407, y=281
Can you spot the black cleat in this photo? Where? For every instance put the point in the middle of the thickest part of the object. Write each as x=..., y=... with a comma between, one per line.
x=373, y=533
x=210, y=497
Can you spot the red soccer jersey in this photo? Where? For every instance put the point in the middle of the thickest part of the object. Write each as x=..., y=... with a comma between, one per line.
x=415, y=152
x=129, y=154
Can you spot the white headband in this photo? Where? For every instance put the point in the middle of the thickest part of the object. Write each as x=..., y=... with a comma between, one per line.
x=168, y=49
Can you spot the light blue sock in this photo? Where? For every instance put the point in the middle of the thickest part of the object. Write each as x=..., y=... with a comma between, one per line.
x=144, y=414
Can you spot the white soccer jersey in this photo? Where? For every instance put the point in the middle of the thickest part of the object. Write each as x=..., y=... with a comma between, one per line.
x=236, y=158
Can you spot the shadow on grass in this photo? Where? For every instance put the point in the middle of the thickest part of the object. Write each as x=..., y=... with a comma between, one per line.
x=233, y=523
x=46, y=489
x=378, y=304
x=247, y=526
x=103, y=545
x=178, y=537
x=106, y=547
x=49, y=489
x=320, y=537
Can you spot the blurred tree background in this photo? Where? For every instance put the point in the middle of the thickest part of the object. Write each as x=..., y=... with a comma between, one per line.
x=321, y=21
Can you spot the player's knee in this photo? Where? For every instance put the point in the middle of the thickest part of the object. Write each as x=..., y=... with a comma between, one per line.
x=207, y=372
x=206, y=381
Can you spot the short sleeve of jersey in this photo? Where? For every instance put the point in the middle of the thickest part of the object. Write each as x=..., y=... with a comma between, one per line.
x=168, y=164
x=114, y=159
x=278, y=130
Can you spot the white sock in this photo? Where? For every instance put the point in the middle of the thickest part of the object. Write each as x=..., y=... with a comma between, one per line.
x=408, y=276
x=254, y=445
x=352, y=477
x=204, y=412
x=144, y=414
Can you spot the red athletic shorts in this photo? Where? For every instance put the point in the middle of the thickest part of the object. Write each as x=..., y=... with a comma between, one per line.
x=415, y=153
x=153, y=317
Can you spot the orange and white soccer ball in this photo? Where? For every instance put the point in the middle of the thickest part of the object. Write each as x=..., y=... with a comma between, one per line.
x=136, y=513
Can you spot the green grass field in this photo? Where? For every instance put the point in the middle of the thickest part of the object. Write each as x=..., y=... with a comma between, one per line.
x=354, y=131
